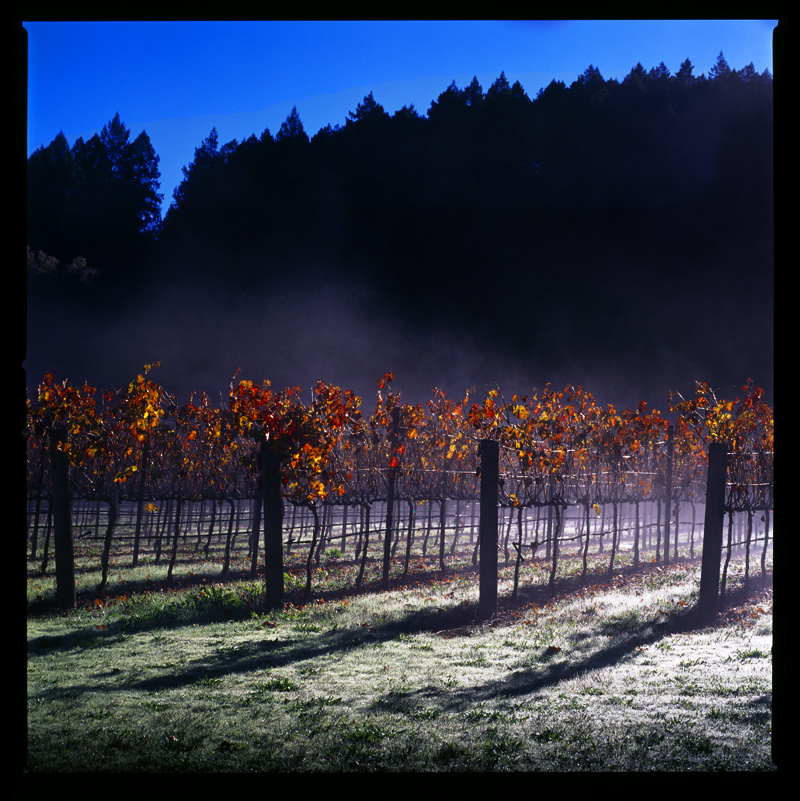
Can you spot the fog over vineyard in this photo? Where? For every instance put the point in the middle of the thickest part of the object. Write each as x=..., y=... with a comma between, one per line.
x=631, y=254
x=348, y=335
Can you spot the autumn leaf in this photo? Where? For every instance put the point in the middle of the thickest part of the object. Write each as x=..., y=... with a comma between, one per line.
x=521, y=412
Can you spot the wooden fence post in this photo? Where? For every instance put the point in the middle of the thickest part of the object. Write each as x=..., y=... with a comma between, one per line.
x=62, y=522
x=273, y=525
x=713, y=526
x=487, y=527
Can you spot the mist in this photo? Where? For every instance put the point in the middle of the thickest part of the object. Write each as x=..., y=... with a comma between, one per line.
x=349, y=334
x=336, y=331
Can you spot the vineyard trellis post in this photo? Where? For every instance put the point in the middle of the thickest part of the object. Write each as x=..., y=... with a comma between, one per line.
x=487, y=528
x=273, y=526
x=62, y=522
x=713, y=528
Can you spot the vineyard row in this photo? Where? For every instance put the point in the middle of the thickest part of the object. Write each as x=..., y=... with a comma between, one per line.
x=553, y=450
x=556, y=447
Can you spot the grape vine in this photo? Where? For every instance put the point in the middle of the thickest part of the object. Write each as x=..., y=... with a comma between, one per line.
x=557, y=445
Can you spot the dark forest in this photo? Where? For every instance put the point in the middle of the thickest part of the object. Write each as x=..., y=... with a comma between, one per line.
x=615, y=234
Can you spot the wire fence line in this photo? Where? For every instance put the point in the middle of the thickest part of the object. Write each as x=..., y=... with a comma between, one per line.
x=344, y=522
x=749, y=488
x=750, y=483
x=640, y=506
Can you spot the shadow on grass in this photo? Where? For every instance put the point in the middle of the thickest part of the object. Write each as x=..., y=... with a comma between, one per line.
x=624, y=638
x=622, y=642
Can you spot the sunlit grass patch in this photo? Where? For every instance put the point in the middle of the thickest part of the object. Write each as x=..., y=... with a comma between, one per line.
x=202, y=678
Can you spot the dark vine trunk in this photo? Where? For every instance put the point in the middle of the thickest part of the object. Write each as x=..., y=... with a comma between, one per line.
x=315, y=535
x=107, y=542
x=556, y=535
x=442, y=523
x=211, y=524
x=365, y=546
x=228, y=540
x=255, y=536
x=140, y=506
x=614, y=536
x=412, y=513
x=174, y=555
x=37, y=509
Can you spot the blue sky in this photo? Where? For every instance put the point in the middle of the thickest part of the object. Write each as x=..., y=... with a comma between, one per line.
x=177, y=80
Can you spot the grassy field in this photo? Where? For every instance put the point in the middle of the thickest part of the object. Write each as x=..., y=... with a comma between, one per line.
x=607, y=674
